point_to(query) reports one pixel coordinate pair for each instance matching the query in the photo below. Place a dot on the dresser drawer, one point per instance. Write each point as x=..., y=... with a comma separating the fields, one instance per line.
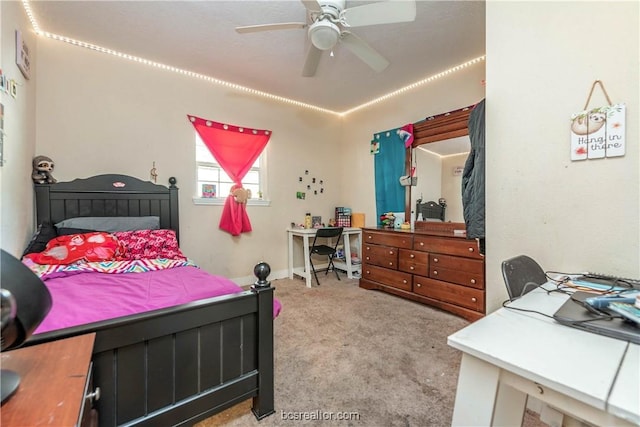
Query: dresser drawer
x=456, y=263
x=397, y=239
x=455, y=294
x=413, y=262
x=457, y=276
x=383, y=256
x=396, y=279
x=452, y=246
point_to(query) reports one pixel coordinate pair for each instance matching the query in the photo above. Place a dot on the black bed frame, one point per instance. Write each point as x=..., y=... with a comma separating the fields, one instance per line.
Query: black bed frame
x=173, y=366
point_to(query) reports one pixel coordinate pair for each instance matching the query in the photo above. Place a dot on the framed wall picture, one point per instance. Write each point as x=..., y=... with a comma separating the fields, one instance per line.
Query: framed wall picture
x=316, y=221
x=208, y=191
x=23, y=61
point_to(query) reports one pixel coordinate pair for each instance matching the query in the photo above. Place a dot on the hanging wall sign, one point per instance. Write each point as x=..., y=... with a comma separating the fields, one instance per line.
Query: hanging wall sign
x=599, y=132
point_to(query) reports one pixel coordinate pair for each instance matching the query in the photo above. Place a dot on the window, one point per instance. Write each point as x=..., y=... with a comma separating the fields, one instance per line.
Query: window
x=213, y=182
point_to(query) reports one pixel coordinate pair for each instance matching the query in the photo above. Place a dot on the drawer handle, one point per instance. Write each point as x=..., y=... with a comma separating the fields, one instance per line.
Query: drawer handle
x=412, y=256
x=404, y=281
x=412, y=268
x=435, y=260
x=368, y=272
x=368, y=248
x=473, y=281
x=418, y=285
x=470, y=249
x=390, y=252
x=368, y=258
x=474, y=299
x=370, y=237
x=421, y=243
x=390, y=262
x=95, y=395
x=435, y=272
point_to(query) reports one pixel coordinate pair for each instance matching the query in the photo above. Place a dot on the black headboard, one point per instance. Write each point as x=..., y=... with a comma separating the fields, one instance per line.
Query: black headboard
x=430, y=210
x=108, y=195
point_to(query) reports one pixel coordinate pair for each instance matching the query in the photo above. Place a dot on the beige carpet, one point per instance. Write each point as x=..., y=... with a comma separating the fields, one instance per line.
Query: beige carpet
x=356, y=358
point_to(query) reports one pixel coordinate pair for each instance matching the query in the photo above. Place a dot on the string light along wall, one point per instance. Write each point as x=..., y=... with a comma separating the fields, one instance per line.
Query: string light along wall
x=240, y=88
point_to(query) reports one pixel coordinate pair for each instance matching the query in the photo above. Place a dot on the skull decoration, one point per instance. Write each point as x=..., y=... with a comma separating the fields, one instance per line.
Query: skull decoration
x=42, y=168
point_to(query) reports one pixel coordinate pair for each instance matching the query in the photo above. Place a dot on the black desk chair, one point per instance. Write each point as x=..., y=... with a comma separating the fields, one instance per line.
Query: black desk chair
x=522, y=275
x=324, y=250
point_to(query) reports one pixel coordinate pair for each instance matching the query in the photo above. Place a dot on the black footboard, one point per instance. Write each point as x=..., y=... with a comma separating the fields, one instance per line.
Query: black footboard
x=180, y=365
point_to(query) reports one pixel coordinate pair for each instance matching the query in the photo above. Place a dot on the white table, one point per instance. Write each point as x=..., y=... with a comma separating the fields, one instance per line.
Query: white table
x=508, y=355
x=306, y=235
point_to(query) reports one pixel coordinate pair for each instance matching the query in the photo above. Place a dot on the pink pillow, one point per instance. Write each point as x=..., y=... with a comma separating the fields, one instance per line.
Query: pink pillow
x=88, y=247
x=149, y=244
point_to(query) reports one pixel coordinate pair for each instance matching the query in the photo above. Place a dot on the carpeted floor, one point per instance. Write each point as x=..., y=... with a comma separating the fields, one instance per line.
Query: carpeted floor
x=357, y=357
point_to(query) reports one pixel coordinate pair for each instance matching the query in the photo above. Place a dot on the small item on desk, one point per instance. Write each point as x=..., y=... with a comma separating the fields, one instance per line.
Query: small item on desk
x=307, y=220
x=598, y=286
x=603, y=302
x=626, y=310
x=607, y=278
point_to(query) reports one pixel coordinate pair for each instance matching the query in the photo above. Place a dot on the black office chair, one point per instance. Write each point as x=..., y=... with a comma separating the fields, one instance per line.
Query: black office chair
x=324, y=250
x=522, y=275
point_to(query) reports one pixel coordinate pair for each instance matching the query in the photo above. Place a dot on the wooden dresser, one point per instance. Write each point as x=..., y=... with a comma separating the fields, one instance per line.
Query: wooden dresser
x=432, y=267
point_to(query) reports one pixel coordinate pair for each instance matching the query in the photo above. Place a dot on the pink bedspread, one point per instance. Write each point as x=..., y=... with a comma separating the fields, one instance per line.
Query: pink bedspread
x=90, y=297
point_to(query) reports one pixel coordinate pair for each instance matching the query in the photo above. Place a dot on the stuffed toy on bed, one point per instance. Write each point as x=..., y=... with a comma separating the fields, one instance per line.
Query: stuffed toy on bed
x=42, y=168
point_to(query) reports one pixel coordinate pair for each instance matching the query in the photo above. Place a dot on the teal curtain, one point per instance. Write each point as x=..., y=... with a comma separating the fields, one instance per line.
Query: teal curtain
x=389, y=167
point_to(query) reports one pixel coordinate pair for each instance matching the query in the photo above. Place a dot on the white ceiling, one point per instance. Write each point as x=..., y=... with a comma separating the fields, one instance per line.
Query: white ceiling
x=199, y=36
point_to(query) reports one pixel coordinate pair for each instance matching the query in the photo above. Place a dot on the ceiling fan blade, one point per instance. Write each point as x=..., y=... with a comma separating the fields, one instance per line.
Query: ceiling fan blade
x=311, y=62
x=269, y=27
x=311, y=5
x=363, y=51
x=386, y=12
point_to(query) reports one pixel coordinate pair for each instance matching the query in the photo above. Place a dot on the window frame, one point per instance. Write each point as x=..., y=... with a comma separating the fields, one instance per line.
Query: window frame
x=220, y=200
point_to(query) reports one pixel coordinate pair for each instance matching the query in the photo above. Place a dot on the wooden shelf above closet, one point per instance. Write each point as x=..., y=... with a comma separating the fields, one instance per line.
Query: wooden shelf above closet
x=443, y=126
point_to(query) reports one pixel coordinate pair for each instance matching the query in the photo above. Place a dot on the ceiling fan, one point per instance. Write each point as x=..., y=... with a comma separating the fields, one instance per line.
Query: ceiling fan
x=330, y=23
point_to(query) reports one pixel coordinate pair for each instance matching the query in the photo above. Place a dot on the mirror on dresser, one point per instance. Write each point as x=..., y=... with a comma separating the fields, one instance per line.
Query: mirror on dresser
x=440, y=149
x=439, y=168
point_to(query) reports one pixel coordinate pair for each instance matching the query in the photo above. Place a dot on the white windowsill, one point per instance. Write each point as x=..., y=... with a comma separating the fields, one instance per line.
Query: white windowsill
x=219, y=201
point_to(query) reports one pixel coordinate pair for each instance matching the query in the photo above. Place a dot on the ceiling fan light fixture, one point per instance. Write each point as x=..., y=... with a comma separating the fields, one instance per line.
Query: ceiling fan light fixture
x=324, y=34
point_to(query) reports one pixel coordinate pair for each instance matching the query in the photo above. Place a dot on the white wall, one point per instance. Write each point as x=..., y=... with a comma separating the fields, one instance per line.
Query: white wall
x=452, y=186
x=429, y=172
x=16, y=186
x=457, y=90
x=570, y=216
x=101, y=114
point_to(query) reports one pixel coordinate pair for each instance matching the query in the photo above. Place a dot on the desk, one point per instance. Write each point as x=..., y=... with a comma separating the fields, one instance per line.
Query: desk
x=508, y=355
x=306, y=234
